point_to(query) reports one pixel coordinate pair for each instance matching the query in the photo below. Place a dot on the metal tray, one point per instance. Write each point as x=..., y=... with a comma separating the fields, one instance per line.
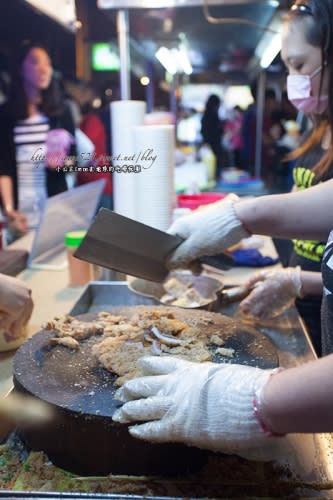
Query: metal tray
x=310, y=458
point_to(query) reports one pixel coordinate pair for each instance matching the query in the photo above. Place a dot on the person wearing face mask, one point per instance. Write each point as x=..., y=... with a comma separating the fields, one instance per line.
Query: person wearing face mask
x=309, y=67
x=34, y=118
x=228, y=407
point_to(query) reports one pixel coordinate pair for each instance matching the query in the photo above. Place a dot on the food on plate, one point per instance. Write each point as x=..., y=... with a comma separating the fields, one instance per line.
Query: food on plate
x=68, y=326
x=182, y=293
x=225, y=351
x=66, y=341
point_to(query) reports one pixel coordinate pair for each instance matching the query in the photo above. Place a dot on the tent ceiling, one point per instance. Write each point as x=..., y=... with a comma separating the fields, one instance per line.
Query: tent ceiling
x=217, y=51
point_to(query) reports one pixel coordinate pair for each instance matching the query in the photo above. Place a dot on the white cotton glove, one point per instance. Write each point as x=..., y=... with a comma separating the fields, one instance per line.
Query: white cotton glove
x=207, y=231
x=207, y=405
x=15, y=305
x=274, y=291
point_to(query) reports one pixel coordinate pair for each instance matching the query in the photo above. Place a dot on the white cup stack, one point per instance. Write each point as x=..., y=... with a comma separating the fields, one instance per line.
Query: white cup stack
x=124, y=116
x=155, y=149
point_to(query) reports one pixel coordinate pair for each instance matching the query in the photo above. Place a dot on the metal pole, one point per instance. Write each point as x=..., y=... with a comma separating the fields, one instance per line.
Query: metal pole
x=124, y=54
x=172, y=95
x=260, y=121
x=150, y=87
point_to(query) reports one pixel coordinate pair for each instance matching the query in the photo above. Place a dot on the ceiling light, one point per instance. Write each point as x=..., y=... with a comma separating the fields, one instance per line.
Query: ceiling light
x=175, y=60
x=184, y=63
x=63, y=11
x=96, y=103
x=158, y=4
x=145, y=80
x=271, y=51
x=167, y=60
x=167, y=25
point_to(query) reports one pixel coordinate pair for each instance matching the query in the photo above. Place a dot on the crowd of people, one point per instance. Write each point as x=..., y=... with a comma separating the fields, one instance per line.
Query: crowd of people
x=232, y=139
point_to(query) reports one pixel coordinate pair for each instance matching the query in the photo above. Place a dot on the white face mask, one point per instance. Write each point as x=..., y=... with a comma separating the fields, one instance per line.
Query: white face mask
x=299, y=88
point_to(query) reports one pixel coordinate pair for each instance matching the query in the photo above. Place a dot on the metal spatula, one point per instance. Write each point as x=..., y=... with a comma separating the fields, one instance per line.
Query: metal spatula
x=117, y=242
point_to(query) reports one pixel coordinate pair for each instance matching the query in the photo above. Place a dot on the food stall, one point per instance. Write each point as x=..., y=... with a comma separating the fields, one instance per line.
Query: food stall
x=82, y=453
x=305, y=470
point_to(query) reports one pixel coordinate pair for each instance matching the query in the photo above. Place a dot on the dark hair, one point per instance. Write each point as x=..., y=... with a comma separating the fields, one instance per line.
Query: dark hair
x=52, y=103
x=213, y=102
x=254, y=89
x=319, y=33
x=270, y=94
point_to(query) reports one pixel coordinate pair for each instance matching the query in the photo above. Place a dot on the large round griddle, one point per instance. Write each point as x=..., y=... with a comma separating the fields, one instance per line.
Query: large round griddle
x=82, y=437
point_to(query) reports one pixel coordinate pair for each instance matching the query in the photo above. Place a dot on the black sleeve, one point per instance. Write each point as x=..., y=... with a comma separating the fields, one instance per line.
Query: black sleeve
x=68, y=124
x=67, y=120
x=7, y=148
x=56, y=181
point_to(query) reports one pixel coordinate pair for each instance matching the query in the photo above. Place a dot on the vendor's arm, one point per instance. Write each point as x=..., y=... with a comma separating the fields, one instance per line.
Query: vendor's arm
x=219, y=226
x=312, y=283
x=303, y=214
x=300, y=399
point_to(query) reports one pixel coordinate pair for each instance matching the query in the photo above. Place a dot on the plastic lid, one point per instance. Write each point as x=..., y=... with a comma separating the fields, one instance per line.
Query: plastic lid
x=74, y=238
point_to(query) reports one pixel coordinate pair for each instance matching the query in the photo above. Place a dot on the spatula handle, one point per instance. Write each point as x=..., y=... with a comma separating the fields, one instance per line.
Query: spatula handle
x=220, y=261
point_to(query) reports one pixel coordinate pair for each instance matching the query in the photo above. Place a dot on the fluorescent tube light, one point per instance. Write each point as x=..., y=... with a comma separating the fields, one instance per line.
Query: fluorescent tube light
x=174, y=60
x=184, y=64
x=63, y=11
x=271, y=51
x=167, y=60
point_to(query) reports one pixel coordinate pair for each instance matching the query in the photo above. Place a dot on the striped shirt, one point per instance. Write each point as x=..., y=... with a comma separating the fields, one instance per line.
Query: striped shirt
x=30, y=142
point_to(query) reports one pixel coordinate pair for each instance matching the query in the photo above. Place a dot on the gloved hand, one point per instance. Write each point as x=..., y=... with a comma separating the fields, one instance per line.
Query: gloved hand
x=206, y=231
x=15, y=305
x=274, y=291
x=207, y=405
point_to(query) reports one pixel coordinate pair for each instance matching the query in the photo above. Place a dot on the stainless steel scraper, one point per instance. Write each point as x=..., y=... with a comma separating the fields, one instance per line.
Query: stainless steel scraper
x=117, y=242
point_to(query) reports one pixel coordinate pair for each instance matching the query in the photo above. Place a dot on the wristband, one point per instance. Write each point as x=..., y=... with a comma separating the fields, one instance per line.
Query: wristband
x=261, y=421
x=256, y=408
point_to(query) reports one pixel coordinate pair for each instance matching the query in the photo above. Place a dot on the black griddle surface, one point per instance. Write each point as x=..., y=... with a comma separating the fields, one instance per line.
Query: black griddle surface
x=75, y=381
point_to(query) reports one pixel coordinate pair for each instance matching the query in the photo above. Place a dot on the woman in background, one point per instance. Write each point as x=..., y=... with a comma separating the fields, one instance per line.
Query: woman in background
x=212, y=130
x=34, y=108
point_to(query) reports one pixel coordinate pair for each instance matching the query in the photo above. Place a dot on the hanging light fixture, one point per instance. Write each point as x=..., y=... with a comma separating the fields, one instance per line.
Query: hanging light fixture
x=175, y=60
